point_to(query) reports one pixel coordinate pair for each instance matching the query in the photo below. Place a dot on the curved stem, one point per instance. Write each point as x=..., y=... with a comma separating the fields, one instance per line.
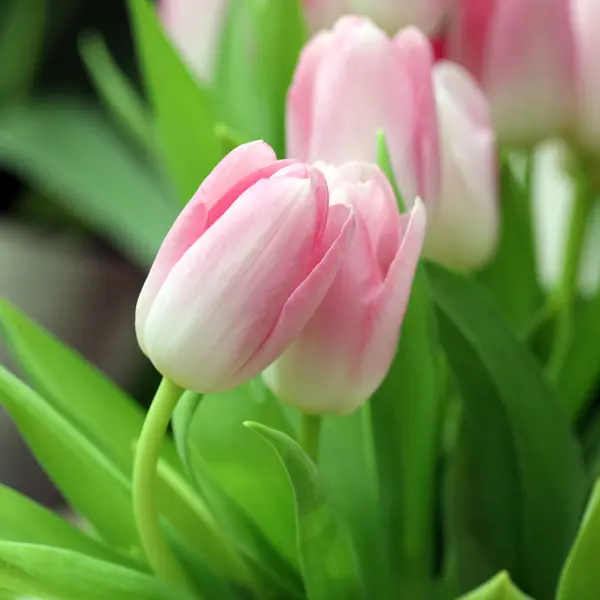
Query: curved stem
x=145, y=505
x=310, y=429
x=566, y=291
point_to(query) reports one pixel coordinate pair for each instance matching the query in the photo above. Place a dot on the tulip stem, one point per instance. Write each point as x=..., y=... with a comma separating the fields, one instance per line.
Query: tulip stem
x=145, y=505
x=566, y=290
x=310, y=429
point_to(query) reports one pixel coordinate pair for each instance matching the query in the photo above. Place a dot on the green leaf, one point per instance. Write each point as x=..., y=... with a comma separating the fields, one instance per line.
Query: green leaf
x=116, y=91
x=70, y=149
x=257, y=61
x=90, y=482
x=327, y=556
x=240, y=464
x=21, y=40
x=22, y=520
x=182, y=421
x=184, y=111
x=57, y=573
x=405, y=416
x=580, y=578
x=499, y=588
x=511, y=277
x=111, y=421
x=519, y=437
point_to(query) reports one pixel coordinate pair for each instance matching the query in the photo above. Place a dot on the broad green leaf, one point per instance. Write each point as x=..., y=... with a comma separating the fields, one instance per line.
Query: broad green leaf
x=327, y=556
x=22, y=520
x=116, y=91
x=21, y=40
x=90, y=482
x=499, y=588
x=257, y=61
x=112, y=421
x=41, y=571
x=184, y=112
x=347, y=464
x=511, y=277
x=405, y=417
x=580, y=578
x=268, y=564
x=71, y=150
x=519, y=437
x=240, y=464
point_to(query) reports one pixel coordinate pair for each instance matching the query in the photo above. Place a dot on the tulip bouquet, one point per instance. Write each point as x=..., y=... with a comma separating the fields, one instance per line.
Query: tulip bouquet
x=367, y=394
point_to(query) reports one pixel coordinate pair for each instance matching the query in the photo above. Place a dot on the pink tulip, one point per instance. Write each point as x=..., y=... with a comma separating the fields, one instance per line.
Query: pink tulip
x=353, y=81
x=195, y=27
x=523, y=55
x=344, y=352
x=586, y=22
x=463, y=232
x=242, y=270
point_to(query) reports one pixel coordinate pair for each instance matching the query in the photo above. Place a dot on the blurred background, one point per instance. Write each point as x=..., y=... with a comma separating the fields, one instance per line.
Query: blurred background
x=71, y=189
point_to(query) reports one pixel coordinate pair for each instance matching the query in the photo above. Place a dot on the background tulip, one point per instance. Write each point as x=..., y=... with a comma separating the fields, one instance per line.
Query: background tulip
x=523, y=54
x=463, y=232
x=353, y=81
x=242, y=270
x=345, y=350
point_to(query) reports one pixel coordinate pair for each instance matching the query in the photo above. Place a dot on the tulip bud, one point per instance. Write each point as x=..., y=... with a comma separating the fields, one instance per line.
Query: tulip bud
x=463, y=232
x=242, y=270
x=523, y=55
x=344, y=352
x=352, y=82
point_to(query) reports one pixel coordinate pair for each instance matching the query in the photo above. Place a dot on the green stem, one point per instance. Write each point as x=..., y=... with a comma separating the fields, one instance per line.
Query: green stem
x=145, y=505
x=566, y=290
x=310, y=429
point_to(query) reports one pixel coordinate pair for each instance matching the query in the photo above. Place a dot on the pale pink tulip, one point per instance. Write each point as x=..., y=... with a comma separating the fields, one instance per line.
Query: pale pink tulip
x=352, y=82
x=523, y=55
x=343, y=354
x=463, y=232
x=195, y=27
x=586, y=22
x=242, y=270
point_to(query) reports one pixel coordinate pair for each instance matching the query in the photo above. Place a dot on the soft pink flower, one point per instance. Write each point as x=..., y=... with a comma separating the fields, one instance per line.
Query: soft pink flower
x=463, y=232
x=352, y=82
x=523, y=55
x=343, y=354
x=242, y=270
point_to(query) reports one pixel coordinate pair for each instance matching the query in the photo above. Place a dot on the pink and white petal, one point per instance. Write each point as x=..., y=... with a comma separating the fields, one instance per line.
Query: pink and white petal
x=300, y=99
x=188, y=227
x=415, y=56
x=464, y=232
x=530, y=72
x=307, y=297
x=358, y=91
x=381, y=337
x=222, y=299
x=469, y=34
x=587, y=24
x=194, y=27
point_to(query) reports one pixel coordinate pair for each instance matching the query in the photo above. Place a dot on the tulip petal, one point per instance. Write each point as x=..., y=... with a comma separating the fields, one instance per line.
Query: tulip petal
x=530, y=70
x=416, y=56
x=300, y=100
x=194, y=26
x=464, y=231
x=381, y=340
x=587, y=22
x=222, y=298
x=242, y=162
